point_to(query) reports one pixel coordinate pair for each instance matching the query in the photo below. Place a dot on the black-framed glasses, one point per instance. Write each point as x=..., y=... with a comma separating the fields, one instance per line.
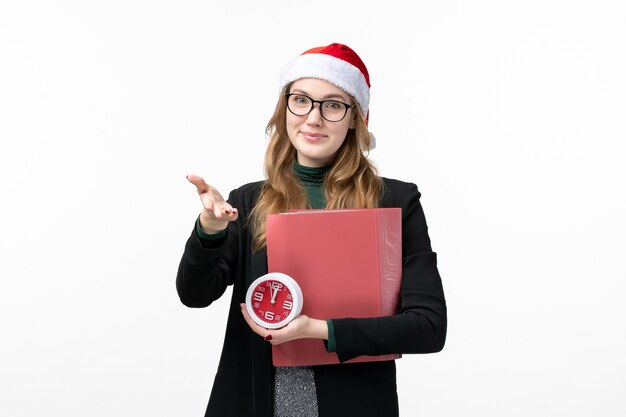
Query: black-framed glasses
x=331, y=110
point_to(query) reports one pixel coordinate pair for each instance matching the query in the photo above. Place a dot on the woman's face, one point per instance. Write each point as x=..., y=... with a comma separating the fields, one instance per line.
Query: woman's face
x=316, y=139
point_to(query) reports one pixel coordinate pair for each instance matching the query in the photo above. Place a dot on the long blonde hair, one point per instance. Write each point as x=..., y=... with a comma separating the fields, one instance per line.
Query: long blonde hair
x=352, y=180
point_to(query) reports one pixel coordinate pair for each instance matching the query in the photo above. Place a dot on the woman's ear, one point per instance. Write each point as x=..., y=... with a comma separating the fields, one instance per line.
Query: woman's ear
x=352, y=122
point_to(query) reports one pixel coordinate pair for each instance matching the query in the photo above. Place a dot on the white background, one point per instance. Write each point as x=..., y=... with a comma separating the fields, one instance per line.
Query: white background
x=509, y=116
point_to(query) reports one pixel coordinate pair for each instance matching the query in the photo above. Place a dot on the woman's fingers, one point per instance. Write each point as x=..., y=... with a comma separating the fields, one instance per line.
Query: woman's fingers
x=220, y=209
x=201, y=186
x=230, y=212
x=293, y=330
x=212, y=200
x=216, y=212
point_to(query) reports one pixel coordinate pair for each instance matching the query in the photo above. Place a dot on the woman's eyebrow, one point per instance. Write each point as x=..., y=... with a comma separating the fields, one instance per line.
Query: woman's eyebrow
x=328, y=97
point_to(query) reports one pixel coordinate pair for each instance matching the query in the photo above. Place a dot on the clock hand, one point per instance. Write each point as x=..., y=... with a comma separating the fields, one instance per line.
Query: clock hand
x=274, y=291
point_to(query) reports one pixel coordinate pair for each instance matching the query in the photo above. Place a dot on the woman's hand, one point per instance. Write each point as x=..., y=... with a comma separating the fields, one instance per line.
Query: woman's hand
x=216, y=213
x=301, y=327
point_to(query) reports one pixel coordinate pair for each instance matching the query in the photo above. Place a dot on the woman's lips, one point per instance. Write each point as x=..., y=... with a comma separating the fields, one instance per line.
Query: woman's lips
x=312, y=137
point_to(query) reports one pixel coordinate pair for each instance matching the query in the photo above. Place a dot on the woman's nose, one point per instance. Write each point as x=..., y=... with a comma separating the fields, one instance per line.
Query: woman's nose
x=315, y=115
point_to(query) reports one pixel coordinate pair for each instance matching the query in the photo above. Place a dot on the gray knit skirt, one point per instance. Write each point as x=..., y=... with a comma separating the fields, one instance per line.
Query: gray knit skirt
x=294, y=392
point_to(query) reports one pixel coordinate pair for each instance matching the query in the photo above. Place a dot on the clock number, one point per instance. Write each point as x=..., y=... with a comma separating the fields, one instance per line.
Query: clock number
x=258, y=296
x=269, y=315
x=287, y=305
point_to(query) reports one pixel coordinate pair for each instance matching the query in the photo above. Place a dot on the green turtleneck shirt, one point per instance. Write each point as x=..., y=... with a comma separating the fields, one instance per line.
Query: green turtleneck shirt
x=312, y=180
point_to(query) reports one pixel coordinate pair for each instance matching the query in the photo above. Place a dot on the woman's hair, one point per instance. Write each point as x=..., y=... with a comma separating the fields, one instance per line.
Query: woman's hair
x=352, y=181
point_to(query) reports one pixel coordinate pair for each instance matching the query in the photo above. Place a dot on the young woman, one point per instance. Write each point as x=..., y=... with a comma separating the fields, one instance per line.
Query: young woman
x=316, y=158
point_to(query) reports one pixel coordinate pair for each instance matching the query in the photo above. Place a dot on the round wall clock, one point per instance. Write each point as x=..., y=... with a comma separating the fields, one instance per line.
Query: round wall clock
x=273, y=300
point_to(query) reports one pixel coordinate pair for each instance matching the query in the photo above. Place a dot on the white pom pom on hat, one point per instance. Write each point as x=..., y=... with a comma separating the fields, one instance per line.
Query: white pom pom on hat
x=339, y=65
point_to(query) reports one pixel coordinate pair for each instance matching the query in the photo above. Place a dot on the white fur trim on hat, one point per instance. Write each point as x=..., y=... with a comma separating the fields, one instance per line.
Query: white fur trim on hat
x=372, y=141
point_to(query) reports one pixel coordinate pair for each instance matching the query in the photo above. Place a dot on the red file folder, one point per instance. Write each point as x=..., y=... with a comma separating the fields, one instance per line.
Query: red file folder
x=348, y=263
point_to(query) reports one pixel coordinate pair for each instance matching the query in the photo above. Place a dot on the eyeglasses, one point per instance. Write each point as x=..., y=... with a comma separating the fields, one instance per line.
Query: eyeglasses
x=331, y=110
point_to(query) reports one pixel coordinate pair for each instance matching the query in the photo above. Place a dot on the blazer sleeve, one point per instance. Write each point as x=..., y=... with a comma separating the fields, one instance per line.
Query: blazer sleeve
x=420, y=326
x=207, y=268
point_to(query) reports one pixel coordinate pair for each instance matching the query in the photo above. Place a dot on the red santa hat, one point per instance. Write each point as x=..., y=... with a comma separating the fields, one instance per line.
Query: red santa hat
x=336, y=63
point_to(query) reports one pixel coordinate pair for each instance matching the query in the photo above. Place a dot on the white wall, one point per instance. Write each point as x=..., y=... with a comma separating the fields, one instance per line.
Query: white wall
x=508, y=115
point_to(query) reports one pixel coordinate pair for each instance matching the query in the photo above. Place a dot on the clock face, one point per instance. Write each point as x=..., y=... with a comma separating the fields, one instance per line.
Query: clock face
x=273, y=300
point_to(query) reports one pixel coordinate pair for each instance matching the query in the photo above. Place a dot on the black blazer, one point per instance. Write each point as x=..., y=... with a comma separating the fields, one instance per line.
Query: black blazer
x=244, y=383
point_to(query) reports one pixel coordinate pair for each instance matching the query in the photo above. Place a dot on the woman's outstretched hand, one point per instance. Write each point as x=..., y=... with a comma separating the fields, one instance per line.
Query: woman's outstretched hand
x=216, y=212
x=299, y=328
